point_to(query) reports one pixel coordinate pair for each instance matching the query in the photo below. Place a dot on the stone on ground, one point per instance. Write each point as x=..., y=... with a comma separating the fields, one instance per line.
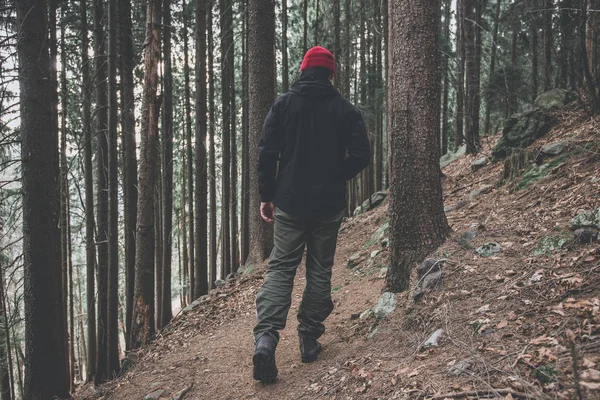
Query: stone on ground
x=432, y=280
x=489, y=249
x=484, y=189
x=586, y=235
x=479, y=163
x=429, y=266
x=433, y=340
x=385, y=305
x=555, y=98
x=376, y=200
x=154, y=395
x=554, y=149
x=586, y=219
x=521, y=130
x=379, y=234
x=449, y=158
x=354, y=260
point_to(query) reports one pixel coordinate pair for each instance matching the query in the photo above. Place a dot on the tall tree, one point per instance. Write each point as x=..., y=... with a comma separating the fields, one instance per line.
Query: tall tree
x=305, y=21
x=472, y=79
x=113, y=205
x=446, y=79
x=245, y=223
x=417, y=221
x=102, y=189
x=201, y=268
x=212, y=174
x=460, y=75
x=6, y=366
x=548, y=42
x=226, y=66
x=534, y=27
x=285, y=74
x=142, y=328
x=234, y=153
x=261, y=43
x=130, y=169
x=493, y=47
x=190, y=156
x=90, y=245
x=336, y=39
x=45, y=351
x=167, y=183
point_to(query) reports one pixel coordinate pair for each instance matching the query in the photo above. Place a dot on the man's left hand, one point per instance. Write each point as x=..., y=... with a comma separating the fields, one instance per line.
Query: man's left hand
x=267, y=210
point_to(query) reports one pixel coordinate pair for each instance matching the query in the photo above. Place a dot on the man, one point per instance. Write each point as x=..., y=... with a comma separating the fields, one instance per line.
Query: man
x=313, y=141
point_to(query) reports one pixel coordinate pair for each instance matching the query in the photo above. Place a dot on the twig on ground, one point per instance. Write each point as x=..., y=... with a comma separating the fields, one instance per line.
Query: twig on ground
x=179, y=395
x=480, y=393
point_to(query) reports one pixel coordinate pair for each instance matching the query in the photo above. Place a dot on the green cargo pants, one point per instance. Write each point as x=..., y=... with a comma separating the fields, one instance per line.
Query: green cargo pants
x=292, y=235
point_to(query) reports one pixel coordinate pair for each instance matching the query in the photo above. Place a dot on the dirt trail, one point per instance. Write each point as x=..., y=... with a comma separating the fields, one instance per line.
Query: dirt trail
x=218, y=361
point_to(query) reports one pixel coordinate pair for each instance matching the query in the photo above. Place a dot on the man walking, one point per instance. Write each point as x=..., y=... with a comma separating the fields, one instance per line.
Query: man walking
x=313, y=141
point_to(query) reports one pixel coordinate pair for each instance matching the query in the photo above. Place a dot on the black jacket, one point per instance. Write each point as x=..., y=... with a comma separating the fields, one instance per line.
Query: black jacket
x=320, y=142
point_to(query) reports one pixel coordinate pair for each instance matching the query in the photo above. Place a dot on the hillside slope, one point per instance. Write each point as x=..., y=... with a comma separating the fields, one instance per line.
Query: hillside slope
x=505, y=317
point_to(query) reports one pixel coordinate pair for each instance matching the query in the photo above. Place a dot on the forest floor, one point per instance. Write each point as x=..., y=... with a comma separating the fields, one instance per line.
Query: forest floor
x=505, y=318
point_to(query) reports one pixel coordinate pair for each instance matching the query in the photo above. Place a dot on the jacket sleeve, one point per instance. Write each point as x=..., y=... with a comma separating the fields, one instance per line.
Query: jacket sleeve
x=268, y=154
x=357, y=146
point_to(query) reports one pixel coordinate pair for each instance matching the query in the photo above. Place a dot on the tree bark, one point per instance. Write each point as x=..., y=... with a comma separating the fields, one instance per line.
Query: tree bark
x=167, y=183
x=212, y=169
x=90, y=245
x=548, y=43
x=493, y=46
x=534, y=50
x=201, y=267
x=417, y=221
x=45, y=351
x=102, y=191
x=6, y=365
x=285, y=74
x=189, y=262
x=226, y=46
x=472, y=90
x=261, y=41
x=305, y=20
x=130, y=169
x=142, y=328
x=245, y=225
x=460, y=75
x=113, y=205
x=446, y=80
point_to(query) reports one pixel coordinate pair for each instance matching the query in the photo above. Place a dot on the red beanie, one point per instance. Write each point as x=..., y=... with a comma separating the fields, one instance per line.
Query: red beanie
x=318, y=57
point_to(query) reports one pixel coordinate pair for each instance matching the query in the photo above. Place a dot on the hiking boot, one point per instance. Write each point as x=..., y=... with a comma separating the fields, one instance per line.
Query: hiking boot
x=309, y=349
x=264, y=359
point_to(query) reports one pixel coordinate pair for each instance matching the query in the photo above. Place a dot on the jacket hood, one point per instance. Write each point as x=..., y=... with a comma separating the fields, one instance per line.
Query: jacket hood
x=314, y=84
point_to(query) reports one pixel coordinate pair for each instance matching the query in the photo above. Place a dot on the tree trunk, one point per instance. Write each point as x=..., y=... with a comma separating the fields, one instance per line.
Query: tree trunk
x=226, y=46
x=534, y=50
x=235, y=262
x=347, y=47
x=113, y=205
x=130, y=176
x=211, y=161
x=6, y=365
x=183, y=228
x=285, y=74
x=90, y=245
x=417, y=221
x=188, y=261
x=378, y=163
x=493, y=46
x=45, y=347
x=201, y=270
x=460, y=75
x=446, y=80
x=316, y=28
x=260, y=56
x=158, y=249
x=472, y=90
x=245, y=226
x=167, y=183
x=102, y=190
x=548, y=43
x=587, y=74
x=305, y=20
x=142, y=328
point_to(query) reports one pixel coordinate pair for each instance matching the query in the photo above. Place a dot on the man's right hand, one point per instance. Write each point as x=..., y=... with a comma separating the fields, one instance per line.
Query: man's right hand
x=267, y=211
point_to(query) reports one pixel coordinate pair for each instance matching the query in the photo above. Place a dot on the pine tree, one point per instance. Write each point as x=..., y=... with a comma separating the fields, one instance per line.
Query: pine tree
x=45, y=352
x=417, y=220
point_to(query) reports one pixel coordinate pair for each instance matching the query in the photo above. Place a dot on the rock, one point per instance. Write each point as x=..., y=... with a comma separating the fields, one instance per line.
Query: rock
x=489, y=249
x=554, y=149
x=230, y=276
x=382, y=273
x=459, y=368
x=375, y=201
x=432, y=280
x=366, y=314
x=586, y=235
x=481, y=190
x=374, y=253
x=193, y=305
x=154, y=395
x=385, y=305
x=220, y=282
x=433, y=340
x=379, y=234
x=459, y=204
x=479, y=163
x=429, y=266
x=586, y=219
x=468, y=236
x=555, y=98
x=451, y=157
x=354, y=260
x=385, y=241
x=521, y=130
x=372, y=333
x=418, y=294
x=550, y=244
